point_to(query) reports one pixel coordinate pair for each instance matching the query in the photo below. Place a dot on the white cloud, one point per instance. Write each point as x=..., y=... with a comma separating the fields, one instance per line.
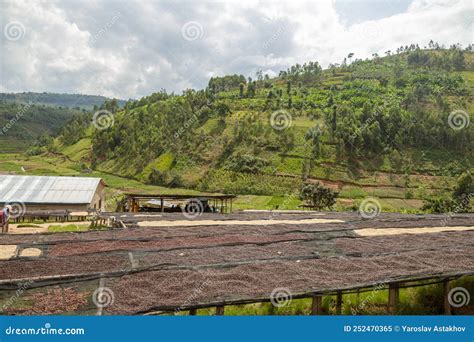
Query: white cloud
x=131, y=49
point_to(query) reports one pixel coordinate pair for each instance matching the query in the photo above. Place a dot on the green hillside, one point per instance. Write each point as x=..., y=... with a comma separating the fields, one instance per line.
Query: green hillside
x=24, y=125
x=396, y=128
x=25, y=117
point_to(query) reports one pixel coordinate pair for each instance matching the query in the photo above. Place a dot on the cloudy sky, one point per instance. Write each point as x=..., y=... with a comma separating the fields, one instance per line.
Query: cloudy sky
x=128, y=49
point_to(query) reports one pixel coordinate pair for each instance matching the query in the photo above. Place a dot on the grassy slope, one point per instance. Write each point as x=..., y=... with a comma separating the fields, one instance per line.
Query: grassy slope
x=386, y=186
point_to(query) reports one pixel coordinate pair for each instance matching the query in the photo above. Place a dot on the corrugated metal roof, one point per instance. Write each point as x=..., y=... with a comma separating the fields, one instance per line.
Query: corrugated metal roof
x=46, y=189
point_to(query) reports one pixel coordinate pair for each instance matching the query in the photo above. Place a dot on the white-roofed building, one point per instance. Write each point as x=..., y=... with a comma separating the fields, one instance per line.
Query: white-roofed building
x=52, y=192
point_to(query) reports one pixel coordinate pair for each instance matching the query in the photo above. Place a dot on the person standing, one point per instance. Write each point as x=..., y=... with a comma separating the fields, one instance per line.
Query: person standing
x=2, y=220
x=4, y=217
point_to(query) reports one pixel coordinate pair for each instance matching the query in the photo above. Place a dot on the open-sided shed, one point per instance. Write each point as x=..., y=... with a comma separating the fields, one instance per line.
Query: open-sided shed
x=221, y=203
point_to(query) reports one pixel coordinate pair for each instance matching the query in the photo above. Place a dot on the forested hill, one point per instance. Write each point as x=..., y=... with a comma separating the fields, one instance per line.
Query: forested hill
x=23, y=125
x=30, y=119
x=401, y=116
x=77, y=101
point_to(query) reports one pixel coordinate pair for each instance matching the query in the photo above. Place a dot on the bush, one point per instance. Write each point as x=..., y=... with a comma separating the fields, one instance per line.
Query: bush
x=175, y=180
x=156, y=177
x=464, y=186
x=318, y=196
x=438, y=205
x=35, y=151
x=460, y=201
x=447, y=205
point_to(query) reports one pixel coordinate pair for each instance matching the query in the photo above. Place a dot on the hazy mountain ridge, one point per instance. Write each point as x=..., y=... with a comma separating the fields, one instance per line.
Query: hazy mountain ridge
x=77, y=101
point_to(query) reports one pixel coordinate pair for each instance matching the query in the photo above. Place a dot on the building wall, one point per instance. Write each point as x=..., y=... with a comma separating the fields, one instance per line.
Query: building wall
x=98, y=201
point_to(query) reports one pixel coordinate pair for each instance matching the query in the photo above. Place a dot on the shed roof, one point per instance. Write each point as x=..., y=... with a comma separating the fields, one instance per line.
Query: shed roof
x=47, y=189
x=177, y=196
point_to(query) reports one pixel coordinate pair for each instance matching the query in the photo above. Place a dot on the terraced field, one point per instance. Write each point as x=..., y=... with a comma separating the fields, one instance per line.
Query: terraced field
x=389, y=188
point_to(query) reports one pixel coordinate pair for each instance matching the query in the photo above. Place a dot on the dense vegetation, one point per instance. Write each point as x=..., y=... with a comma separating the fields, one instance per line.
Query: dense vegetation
x=383, y=122
x=29, y=120
x=460, y=200
x=24, y=125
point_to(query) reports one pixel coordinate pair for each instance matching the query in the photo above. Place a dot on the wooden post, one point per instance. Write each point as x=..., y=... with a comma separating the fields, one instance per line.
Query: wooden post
x=446, y=289
x=338, y=302
x=316, y=305
x=192, y=312
x=162, y=205
x=220, y=310
x=393, y=296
